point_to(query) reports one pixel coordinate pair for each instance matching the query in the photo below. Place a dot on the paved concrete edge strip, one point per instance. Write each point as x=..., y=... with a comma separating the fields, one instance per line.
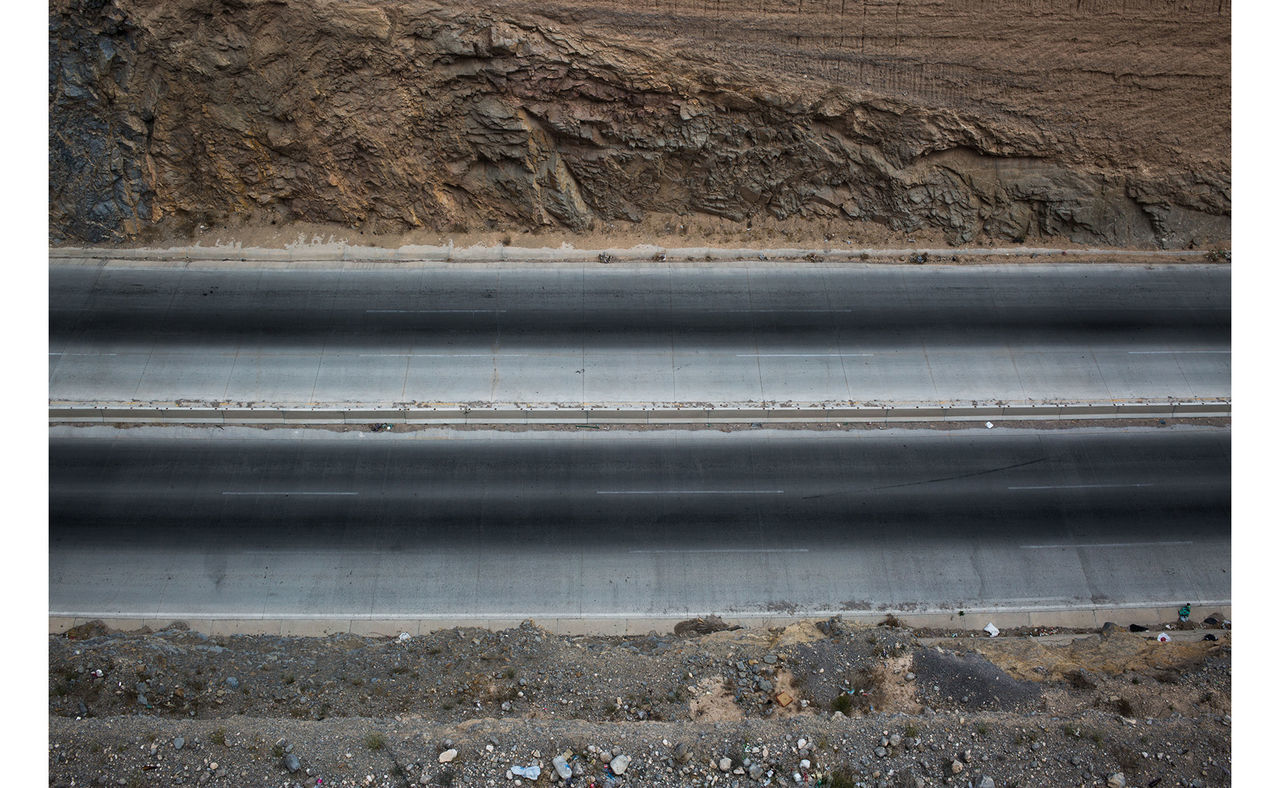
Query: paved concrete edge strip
x=1146, y=614
x=64, y=413
x=344, y=253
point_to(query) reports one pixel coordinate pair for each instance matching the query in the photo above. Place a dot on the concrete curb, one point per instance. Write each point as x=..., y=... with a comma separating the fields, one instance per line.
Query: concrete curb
x=517, y=414
x=344, y=253
x=973, y=620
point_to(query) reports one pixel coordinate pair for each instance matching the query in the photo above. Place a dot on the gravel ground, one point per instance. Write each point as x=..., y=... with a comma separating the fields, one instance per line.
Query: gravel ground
x=814, y=705
x=971, y=682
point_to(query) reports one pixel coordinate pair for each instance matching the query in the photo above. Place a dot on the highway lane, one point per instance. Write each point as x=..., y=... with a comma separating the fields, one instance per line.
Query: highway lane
x=448, y=524
x=604, y=334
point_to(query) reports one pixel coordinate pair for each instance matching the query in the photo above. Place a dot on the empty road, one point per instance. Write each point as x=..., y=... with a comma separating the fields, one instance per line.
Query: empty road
x=600, y=335
x=190, y=523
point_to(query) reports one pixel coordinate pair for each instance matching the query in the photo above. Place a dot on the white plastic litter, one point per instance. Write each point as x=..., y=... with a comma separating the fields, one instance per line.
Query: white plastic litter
x=529, y=772
x=1163, y=637
x=990, y=425
x=562, y=767
x=991, y=629
x=404, y=636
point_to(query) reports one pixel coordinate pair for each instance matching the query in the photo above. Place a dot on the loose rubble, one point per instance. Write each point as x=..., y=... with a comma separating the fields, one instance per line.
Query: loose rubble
x=870, y=706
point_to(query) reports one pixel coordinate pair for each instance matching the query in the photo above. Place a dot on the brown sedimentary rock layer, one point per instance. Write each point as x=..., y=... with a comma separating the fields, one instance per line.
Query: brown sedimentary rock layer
x=984, y=120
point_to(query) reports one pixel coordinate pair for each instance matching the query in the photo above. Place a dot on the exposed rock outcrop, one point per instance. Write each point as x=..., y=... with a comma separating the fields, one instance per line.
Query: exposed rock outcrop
x=399, y=115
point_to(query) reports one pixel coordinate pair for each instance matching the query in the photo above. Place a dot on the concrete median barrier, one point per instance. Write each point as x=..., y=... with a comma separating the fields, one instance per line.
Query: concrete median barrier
x=1030, y=412
x=566, y=416
x=971, y=413
x=373, y=417
x=737, y=415
x=454, y=415
x=618, y=416
x=1204, y=409
x=247, y=416
x=913, y=412
x=1100, y=410
x=75, y=415
x=1138, y=410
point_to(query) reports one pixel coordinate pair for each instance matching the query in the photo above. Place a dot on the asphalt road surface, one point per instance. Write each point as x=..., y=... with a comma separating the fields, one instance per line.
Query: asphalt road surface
x=186, y=523
x=591, y=334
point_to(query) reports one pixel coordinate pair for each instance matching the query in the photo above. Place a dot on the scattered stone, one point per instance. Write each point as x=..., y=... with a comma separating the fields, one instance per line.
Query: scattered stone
x=679, y=754
x=1116, y=780
x=233, y=682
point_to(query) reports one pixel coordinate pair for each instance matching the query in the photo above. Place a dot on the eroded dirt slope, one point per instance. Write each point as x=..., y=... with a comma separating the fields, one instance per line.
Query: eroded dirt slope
x=964, y=120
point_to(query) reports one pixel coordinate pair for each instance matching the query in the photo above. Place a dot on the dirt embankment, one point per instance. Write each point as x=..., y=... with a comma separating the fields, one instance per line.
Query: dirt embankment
x=826, y=704
x=957, y=120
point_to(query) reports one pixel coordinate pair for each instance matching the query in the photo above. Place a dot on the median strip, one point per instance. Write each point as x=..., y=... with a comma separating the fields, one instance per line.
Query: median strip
x=628, y=413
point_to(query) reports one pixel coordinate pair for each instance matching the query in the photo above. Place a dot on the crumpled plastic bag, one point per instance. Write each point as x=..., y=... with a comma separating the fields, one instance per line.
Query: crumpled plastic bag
x=528, y=772
x=991, y=629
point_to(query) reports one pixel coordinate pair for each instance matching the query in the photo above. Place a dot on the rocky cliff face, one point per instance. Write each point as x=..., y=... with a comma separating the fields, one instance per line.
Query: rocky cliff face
x=389, y=116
